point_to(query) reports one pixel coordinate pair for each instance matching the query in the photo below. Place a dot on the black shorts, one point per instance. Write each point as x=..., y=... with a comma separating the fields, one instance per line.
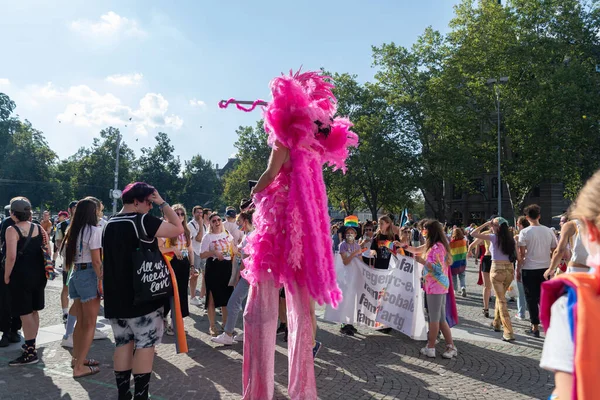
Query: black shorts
x=486, y=264
x=25, y=300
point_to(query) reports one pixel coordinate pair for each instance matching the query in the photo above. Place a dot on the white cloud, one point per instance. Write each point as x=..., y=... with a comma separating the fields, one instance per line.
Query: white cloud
x=197, y=103
x=125, y=80
x=87, y=108
x=110, y=25
x=4, y=82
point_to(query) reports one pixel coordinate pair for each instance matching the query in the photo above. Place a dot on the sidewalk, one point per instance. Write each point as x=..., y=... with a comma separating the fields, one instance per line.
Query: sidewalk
x=369, y=365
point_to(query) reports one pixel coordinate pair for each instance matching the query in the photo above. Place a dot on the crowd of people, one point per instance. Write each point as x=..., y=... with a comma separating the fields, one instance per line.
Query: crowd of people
x=145, y=268
x=208, y=252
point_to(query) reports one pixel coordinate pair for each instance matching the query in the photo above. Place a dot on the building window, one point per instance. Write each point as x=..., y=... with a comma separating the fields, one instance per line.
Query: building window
x=494, y=188
x=457, y=218
x=535, y=192
x=456, y=193
x=478, y=186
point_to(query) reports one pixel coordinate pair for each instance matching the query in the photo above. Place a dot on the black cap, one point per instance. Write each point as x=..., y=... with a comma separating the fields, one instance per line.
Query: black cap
x=20, y=205
x=73, y=204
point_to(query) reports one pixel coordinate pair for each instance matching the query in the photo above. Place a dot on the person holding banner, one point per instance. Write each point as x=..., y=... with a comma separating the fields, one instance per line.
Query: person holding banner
x=385, y=242
x=436, y=261
x=365, y=243
x=137, y=328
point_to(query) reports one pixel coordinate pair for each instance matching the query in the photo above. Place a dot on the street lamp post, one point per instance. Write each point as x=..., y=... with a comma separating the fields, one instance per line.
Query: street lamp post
x=116, y=188
x=494, y=83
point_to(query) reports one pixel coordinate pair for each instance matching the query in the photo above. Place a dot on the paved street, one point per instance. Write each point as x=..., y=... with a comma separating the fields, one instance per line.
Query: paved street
x=369, y=365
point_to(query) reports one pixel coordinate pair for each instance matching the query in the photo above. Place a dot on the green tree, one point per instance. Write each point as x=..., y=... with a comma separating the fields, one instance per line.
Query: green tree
x=382, y=168
x=26, y=162
x=201, y=186
x=91, y=171
x=158, y=167
x=253, y=154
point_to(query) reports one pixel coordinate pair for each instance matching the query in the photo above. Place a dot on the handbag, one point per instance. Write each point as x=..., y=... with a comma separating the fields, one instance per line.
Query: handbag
x=151, y=278
x=48, y=263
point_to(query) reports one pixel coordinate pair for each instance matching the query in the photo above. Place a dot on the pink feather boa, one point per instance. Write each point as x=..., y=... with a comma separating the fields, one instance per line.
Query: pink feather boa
x=292, y=238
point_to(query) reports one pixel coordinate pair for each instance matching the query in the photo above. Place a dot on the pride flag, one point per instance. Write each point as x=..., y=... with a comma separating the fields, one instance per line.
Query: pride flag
x=458, y=250
x=351, y=220
x=176, y=318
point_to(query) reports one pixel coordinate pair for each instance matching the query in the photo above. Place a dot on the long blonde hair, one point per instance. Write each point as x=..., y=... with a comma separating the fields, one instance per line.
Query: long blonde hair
x=587, y=205
x=186, y=230
x=389, y=232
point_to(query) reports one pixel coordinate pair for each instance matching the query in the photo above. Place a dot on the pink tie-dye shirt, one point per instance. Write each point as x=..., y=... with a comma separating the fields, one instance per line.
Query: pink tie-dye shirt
x=436, y=278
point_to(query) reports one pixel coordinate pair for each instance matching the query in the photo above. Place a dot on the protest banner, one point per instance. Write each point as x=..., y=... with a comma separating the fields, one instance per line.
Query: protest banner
x=378, y=298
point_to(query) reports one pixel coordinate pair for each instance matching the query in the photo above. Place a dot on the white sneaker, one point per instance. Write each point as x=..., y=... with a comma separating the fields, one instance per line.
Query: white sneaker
x=98, y=334
x=451, y=351
x=239, y=337
x=426, y=351
x=195, y=301
x=169, y=331
x=67, y=342
x=223, y=338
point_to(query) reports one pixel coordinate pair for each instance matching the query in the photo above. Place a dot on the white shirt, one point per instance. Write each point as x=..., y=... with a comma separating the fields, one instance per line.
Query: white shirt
x=540, y=240
x=234, y=230
x=194, y=229
x=92, y=240
x=217, y=241
x=244, y=243
x=558, y=351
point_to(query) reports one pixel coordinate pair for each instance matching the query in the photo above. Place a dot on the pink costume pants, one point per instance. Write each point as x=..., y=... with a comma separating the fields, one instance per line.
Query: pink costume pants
x=260, y=326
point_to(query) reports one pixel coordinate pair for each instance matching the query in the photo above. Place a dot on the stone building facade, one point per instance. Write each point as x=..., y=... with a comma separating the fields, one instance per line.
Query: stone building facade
x=464, y=208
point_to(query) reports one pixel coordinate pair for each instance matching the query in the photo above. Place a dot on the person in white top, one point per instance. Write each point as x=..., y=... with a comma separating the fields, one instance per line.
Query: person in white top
x=569, y=233
x=536, y=244
x=197, y=232
x=82, y=247
x=219, y=250
x=231, y=226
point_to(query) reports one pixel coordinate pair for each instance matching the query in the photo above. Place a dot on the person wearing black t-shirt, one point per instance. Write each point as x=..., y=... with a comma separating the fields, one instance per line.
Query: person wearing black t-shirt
x=385, y=241
x=137, y=329
x=9, y=326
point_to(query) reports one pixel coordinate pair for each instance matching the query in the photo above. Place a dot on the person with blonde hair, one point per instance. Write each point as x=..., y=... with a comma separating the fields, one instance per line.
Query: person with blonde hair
x=183, y=260
x=570, y=309
x=218, y=249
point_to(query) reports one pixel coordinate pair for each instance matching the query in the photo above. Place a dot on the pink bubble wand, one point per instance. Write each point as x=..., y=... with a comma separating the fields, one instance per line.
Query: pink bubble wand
x=238, y=104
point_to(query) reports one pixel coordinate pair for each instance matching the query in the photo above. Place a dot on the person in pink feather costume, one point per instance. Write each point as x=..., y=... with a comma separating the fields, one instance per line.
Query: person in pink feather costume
x=289, y=197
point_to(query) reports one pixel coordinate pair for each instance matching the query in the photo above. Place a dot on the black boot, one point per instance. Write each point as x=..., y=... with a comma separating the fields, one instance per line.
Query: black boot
x=4, y=342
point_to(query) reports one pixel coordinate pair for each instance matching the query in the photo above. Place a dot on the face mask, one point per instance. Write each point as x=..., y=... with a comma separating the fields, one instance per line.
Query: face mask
x=350, y=238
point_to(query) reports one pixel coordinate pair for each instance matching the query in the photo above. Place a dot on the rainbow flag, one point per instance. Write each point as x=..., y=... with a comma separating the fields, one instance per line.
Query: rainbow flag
x=458, y=250
x=389, y=244
x=351, y=220
x=176, y=318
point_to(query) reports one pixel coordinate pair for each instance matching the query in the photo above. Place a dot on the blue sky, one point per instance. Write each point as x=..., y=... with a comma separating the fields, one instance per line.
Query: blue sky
x=155, y=66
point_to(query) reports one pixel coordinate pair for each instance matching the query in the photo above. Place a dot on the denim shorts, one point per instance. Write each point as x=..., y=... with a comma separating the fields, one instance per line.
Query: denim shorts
x=83, y=284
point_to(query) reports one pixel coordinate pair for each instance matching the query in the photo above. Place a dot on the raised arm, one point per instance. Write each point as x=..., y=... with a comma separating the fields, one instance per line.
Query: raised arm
x=279, y=155
x=477, y=232
x=566, y=233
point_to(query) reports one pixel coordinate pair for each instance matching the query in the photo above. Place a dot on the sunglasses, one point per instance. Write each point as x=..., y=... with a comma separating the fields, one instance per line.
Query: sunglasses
x=180, y=214
x=215, y=220
x=368, y=230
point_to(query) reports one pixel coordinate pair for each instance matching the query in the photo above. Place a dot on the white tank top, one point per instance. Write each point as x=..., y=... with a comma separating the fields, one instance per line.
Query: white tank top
x=579, y=253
